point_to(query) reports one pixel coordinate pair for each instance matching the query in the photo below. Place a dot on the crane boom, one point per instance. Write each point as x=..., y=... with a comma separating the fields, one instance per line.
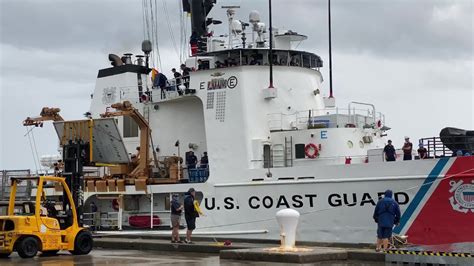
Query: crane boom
x=47, y=114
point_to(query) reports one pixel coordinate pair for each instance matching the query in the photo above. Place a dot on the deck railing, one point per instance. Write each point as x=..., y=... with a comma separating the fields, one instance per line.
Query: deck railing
x=437, y=148
x=325, y=118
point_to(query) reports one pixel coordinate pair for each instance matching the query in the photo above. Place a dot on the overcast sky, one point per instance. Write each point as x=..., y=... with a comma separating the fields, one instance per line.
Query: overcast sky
x=412, y=59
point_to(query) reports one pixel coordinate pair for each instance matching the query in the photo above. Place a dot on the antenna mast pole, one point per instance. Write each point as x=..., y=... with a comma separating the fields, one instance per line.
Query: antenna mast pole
x=330, y=53
x=271, y=43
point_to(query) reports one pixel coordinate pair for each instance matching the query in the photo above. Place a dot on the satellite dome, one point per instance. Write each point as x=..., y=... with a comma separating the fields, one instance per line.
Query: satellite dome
x=254, y=16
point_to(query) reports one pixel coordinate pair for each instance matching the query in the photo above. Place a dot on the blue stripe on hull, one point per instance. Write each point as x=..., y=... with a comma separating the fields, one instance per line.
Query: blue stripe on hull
x=421, y=194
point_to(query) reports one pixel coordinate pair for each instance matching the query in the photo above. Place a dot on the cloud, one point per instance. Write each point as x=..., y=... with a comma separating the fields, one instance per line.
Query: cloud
x=412, y=59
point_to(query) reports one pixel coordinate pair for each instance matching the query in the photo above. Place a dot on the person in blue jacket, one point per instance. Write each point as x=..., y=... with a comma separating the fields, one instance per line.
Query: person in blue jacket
x=386, y=215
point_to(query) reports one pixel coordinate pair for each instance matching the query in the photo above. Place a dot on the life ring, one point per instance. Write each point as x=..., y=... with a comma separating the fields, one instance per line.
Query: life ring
x=379, y=123
x=311, y=150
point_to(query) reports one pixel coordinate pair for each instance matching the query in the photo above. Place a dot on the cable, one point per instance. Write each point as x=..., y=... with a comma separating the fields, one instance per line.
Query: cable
x=31, y=147
x=181, y=33
x=170, y=29
x=36, y=151
x=154, y=30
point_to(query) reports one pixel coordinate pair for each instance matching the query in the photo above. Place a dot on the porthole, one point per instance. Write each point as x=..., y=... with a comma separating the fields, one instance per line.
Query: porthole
x=350, y=144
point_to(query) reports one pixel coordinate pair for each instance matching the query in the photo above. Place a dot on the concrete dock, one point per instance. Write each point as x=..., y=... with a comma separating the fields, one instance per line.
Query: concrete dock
x=244, y=251
x=259, y=250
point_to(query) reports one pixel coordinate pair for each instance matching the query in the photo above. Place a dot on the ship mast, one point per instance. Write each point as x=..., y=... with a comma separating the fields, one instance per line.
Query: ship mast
x=271, y=44
x=330, y=52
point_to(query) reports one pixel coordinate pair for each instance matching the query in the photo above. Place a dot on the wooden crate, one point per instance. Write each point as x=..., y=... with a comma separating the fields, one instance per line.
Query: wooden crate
x=90, y=186
x=121, y=185
x=120, y=169
x=111, y=184
x=101, y=185
x=140, y=184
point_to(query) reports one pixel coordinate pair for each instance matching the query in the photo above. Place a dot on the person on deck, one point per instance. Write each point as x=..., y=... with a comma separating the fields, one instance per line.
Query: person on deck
x=386, y=215
x=407, y=149
x=191, y=160
x=200, y=65
x=176, y=210
x=178, y=80
x=389, y=152
x=160, y=82
x=422, y=152
x=185, y=73
x=190, y=214
x=204, y=160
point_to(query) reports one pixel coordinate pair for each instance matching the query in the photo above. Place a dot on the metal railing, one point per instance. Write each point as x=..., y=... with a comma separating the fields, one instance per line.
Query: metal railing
x=175, y=88
x=23, y=189
x=113, y=220
x=437, y=148
x=327, y=117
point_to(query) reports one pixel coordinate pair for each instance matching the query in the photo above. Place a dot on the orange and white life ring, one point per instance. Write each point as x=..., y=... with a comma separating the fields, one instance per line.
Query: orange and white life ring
x=311, y=150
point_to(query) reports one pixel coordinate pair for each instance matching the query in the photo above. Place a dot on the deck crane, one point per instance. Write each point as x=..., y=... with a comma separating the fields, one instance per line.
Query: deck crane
x=46, y=114
x=141, y=171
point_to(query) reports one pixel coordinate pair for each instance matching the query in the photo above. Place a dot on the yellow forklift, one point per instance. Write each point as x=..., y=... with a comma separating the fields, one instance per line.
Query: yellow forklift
x=45, y=225
x=40, y=226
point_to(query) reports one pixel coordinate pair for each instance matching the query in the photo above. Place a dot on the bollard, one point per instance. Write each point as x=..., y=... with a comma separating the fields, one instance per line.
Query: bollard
x=288, y=221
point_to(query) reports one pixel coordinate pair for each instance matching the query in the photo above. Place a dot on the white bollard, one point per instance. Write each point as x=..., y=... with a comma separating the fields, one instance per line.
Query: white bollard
x=288, y=221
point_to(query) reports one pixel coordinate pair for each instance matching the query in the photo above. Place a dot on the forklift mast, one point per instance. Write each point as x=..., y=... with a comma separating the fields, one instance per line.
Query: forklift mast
x=75, y=157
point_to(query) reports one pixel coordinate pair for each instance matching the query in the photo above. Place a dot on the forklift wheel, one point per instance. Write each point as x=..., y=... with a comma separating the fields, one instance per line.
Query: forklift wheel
x=28, y=247
x=83, y=243
x=4, y=255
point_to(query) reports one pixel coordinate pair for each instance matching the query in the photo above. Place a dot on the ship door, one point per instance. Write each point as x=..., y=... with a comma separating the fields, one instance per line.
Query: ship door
x=267, y=156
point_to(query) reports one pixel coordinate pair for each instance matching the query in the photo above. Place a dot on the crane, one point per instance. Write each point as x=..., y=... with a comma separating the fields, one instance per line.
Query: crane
x=126, y=109
x=46, y=114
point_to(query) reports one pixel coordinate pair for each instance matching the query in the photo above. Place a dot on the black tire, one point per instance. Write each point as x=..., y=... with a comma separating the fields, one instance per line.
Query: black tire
x=4, y=255
x=49, y=253
x=27, y=247
x=83, y=243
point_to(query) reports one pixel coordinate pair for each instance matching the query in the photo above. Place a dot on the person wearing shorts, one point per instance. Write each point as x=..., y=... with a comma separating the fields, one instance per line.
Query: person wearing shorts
x=176, y=210
x=386, y=215
x=190, y=214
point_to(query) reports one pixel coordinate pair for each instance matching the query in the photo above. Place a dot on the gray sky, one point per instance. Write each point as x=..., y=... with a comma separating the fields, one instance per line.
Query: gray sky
x=412, y=59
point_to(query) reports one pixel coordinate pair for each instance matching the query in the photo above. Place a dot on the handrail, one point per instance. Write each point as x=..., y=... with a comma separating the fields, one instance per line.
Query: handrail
x=361, y=103
x=276, y=121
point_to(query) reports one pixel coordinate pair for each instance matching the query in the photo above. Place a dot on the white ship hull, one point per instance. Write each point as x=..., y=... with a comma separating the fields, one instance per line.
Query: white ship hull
x=337, y=205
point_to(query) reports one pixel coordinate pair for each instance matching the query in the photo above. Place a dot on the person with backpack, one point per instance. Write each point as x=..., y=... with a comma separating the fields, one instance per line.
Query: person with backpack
x=386, y=215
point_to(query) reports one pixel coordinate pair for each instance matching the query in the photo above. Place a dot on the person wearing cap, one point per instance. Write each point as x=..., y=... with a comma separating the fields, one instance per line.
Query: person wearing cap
x=176, y=210
x=389, y=152
x=190, y=214
x=407, y=149
x=422, y=152
x=386, y=215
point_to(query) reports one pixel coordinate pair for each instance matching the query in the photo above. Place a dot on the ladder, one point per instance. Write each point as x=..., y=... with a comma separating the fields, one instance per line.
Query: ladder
x=289, y=151
x=278, y=155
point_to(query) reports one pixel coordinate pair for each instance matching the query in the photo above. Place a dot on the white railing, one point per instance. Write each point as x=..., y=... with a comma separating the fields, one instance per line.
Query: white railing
x=329, y=117
x=173, y=89
x=114, y=220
